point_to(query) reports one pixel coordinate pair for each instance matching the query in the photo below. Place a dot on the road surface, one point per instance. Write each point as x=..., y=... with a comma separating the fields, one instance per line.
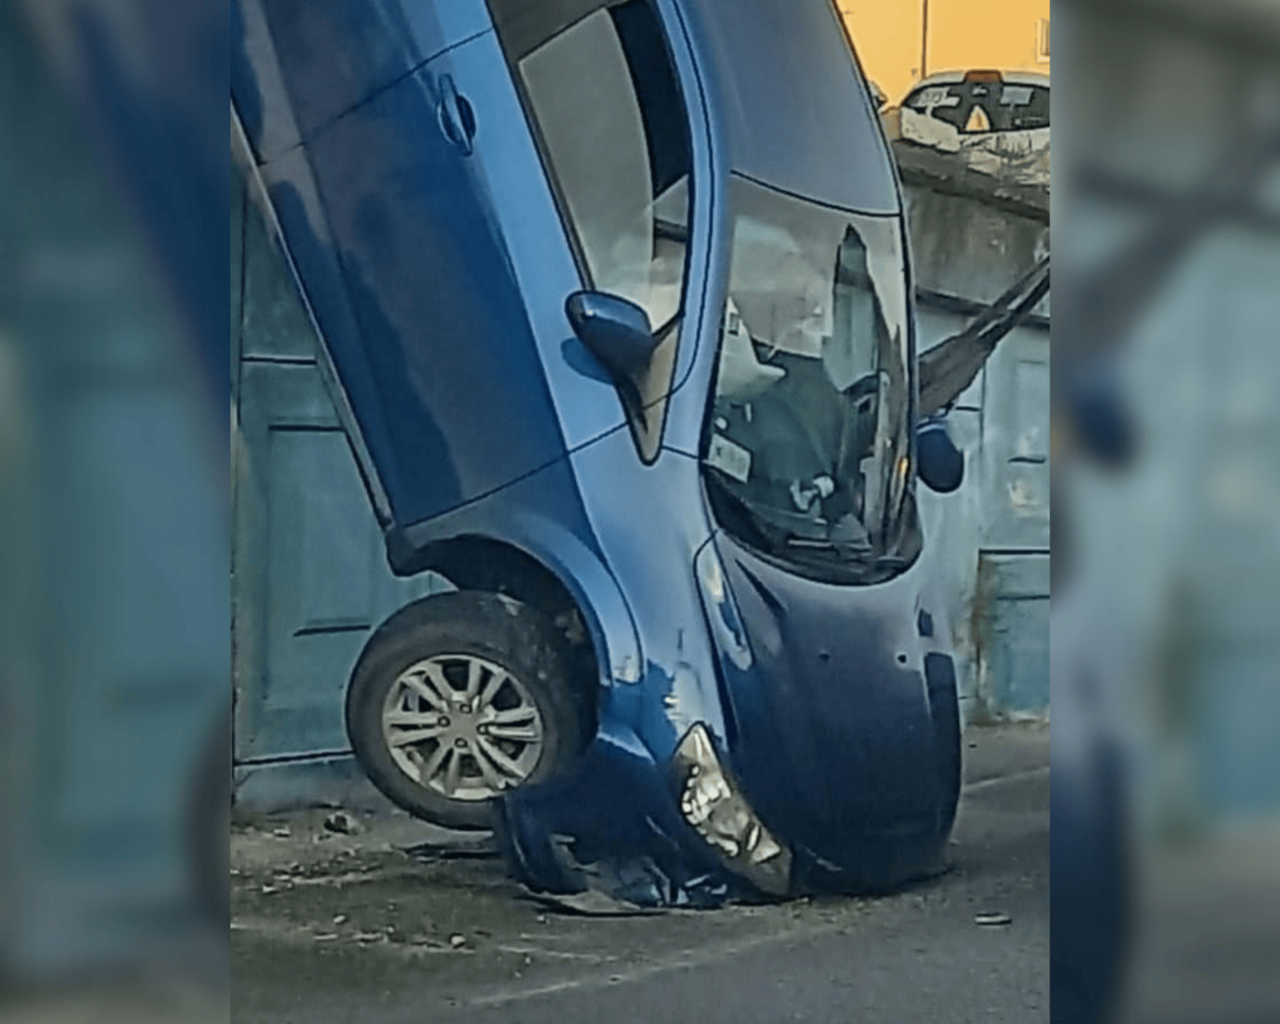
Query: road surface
x=334, y=928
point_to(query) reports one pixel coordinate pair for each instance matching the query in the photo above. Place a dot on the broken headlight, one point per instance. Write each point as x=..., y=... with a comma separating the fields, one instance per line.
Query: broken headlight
x=712, y=804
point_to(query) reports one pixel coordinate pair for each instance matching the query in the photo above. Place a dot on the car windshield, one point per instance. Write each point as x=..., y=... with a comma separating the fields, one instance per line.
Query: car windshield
x=808, y=447
x=974, y=107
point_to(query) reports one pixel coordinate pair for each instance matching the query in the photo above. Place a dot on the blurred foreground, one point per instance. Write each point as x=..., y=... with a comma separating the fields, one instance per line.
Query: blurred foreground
x=113, y=520
x=1167, y=202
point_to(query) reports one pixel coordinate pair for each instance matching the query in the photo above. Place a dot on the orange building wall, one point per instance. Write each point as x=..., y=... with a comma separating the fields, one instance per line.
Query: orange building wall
x=963, y=35
x=887, y=37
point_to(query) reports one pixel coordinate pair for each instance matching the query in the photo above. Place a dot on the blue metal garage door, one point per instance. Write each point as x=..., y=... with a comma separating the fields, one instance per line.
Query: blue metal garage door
x=309, y=575
x=1012, y=602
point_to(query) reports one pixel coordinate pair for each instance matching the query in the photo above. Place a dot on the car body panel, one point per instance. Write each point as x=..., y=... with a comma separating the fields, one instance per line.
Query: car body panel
x=416, y=300
x=319, y=59
x=520, y=203
x=545, y=516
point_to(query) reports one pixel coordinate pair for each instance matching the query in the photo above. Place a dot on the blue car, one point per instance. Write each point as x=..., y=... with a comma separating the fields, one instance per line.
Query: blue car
x=617, y=308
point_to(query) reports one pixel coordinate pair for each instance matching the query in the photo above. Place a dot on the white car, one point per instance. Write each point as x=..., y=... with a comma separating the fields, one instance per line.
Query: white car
x=997, y=122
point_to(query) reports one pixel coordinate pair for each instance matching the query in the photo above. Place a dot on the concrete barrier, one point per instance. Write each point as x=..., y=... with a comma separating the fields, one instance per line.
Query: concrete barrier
x=973, y=234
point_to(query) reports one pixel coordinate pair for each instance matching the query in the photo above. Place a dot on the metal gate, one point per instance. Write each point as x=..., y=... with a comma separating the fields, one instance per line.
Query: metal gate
x=1011, y=606
x=310, y=580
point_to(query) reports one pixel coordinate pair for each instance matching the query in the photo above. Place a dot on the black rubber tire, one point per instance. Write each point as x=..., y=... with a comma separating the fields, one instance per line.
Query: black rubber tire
x=506, y=632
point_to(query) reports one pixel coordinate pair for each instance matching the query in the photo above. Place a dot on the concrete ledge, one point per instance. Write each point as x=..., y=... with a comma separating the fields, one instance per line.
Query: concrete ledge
x=946, y=174
x=283, y=787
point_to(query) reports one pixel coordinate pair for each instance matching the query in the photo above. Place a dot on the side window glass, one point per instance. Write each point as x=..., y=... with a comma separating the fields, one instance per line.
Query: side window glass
x=602, y=96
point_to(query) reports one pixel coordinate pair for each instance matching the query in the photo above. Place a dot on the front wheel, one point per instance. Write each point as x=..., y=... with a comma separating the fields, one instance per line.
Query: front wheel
x=462, y=697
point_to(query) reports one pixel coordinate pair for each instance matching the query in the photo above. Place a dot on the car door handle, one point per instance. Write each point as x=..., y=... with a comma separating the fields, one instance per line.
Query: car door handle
x=457, y=118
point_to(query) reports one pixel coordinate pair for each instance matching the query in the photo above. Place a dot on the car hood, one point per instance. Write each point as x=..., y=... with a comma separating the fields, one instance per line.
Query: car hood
x=833, y=736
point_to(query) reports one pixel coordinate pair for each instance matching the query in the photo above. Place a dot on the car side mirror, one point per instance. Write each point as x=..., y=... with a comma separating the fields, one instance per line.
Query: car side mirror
x=940, y=462
x=1099, y=422
x=614, y=330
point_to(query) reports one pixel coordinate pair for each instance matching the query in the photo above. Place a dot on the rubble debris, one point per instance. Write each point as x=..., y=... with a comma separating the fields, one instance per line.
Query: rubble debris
x=594, y=903
x=341, y=823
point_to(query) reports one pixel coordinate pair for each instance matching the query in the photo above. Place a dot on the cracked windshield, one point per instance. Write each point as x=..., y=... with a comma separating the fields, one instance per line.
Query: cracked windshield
x=809, y=447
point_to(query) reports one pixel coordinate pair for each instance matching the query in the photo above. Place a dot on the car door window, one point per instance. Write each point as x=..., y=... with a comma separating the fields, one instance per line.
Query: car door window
x=603, y=100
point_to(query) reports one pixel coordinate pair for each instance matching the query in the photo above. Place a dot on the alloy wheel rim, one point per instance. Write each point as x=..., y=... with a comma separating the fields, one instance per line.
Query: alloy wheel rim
x=463, y=727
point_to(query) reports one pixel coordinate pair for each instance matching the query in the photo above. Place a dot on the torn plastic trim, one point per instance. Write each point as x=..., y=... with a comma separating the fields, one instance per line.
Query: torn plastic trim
x=564, y=854
x=711, y=802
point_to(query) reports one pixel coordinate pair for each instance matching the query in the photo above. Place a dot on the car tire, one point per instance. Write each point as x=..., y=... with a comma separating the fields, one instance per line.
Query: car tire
x=462, y=697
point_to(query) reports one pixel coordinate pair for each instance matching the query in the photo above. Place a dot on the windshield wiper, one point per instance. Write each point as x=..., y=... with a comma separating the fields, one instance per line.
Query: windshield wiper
x=948, y=368
x=853, y=555
x=845, y=547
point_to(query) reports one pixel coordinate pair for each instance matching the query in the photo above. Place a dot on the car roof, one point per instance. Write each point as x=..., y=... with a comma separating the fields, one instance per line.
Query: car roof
x=956, y=77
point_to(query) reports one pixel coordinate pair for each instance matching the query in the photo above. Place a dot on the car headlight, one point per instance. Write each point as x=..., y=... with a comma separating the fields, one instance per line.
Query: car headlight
x=712, y=804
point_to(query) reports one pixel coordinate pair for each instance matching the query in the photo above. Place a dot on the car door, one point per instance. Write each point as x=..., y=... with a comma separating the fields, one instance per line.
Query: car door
x=590, y=186
x=394, y=238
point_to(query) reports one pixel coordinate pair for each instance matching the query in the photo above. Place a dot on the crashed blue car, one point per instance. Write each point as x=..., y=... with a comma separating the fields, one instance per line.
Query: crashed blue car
x=617, y=309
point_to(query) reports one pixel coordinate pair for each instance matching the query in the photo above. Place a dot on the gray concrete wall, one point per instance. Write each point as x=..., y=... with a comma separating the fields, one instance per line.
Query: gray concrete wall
x=972, y=237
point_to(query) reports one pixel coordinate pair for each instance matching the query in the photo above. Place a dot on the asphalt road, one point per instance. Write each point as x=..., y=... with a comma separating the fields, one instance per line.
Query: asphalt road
x=352, y=928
